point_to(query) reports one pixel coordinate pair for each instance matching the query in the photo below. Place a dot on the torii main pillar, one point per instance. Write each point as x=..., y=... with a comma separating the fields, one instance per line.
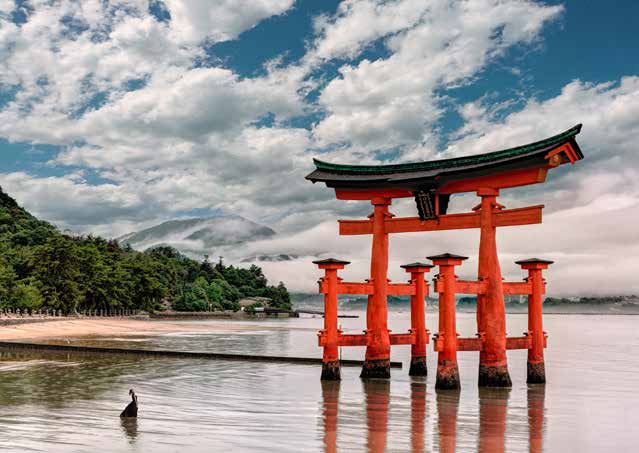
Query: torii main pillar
x=491, y=311
x=377, y=359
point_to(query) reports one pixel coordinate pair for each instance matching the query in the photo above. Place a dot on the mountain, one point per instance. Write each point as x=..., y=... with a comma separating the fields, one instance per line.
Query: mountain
x=198, y=235
x=41, y=268
x=18, y=227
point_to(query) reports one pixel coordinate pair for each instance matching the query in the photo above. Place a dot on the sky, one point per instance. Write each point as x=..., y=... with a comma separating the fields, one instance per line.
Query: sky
x=118, y=115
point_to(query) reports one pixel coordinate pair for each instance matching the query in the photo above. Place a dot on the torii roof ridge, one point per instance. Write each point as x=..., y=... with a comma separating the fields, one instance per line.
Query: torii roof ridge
x=485, y=158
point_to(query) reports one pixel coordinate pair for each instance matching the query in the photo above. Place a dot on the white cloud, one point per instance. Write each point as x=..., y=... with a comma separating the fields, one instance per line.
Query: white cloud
x=359, y=22
x=219, y=20
x=591, y=208
x=392, y=101
x=609, y=113
x=6, y=6
x=188, y=105
x=49, y=198
x=607, y=110
x=62, y=70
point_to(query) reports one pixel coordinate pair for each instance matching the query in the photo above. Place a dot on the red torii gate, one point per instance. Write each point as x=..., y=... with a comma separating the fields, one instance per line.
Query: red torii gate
x=432, y=183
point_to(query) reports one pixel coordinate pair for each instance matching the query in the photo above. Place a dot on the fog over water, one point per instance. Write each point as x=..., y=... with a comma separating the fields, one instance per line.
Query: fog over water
x=71, y=403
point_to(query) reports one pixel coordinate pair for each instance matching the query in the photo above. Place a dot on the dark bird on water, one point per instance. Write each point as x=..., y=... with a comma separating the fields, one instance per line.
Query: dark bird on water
x=132, y=409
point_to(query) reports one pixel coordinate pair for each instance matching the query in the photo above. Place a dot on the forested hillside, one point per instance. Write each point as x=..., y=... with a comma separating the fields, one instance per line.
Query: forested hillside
x=43, y=268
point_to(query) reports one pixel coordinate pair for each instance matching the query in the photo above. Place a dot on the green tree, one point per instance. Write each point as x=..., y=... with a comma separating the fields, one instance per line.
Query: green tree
x=26, y=296
x=228, y=292
x=146, y=290
x=7, y=282
x=279, y=296
x=215, y=293
x=56, y=268
x=194, y=297
x=208, y=271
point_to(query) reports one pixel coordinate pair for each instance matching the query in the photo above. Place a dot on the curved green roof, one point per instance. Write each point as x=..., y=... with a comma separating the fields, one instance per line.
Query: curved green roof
x=486, y=158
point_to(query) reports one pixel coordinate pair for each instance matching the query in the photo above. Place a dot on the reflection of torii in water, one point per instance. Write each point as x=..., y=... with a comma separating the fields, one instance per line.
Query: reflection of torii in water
x=493, y=405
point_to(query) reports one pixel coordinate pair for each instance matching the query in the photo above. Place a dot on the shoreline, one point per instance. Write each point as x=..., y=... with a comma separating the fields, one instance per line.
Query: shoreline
x=121, y=327
x=47, y=328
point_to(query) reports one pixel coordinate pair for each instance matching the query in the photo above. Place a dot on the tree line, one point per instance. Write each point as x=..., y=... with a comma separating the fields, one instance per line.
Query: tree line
x=43, y=268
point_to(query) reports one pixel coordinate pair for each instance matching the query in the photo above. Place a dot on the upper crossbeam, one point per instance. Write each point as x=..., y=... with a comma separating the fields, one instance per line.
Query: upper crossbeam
x=507, y=217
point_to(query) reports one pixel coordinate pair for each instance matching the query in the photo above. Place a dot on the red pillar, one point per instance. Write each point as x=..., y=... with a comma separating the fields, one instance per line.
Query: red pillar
x=536, y=367
x=377, y=360
x=447, y=369
x=491, y=312
x=329, y=336
x=418, y=317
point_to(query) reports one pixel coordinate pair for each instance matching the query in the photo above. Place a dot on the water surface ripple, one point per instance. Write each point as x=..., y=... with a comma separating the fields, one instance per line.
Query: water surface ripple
x=71, y=403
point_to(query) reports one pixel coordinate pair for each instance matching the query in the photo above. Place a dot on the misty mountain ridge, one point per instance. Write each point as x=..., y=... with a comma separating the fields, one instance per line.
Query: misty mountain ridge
x=198, y=235
x=606, y=305
x=278, y=257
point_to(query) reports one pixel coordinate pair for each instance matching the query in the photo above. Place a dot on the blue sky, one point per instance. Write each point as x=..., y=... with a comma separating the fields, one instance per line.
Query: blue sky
x=118, y=115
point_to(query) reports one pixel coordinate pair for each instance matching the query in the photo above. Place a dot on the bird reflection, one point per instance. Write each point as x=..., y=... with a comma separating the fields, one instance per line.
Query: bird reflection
x=447, y=407
x=130, y=427
x=377, y=398
x=493, y=405
x=330, y=398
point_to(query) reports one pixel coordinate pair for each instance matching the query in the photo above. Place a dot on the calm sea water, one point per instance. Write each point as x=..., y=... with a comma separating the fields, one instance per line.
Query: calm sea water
x=67, y=403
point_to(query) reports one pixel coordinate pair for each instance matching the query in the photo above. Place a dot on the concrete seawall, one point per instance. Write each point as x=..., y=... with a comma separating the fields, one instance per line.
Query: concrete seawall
x=19, y=346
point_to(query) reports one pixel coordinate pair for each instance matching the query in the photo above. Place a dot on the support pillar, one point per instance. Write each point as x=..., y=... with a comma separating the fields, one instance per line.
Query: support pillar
x=536, y=370
x=329, y=336
x=446, y=339
x=377, y=359
x=418, y=318
x=491, y=311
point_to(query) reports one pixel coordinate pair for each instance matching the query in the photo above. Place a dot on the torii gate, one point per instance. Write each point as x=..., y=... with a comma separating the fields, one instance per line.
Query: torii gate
x=431, y=184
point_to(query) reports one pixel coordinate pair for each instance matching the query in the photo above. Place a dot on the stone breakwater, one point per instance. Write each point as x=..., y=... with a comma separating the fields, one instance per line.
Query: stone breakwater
x=65, y=349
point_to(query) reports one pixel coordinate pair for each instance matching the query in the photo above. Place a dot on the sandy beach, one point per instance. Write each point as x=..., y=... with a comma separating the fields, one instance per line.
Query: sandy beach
x=115, y=327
